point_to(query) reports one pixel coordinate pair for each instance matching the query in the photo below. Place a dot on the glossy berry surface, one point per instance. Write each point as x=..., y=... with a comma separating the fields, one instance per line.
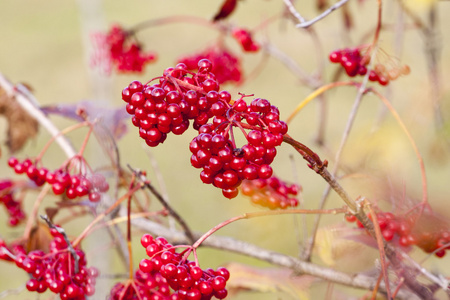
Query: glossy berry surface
x=62, y=182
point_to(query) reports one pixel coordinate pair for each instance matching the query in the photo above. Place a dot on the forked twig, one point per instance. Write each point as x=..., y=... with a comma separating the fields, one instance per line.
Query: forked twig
x=305, y=24
x=166, y=205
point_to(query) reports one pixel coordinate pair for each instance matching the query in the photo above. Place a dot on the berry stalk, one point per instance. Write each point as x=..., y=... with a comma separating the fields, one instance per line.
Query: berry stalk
x=267, y=213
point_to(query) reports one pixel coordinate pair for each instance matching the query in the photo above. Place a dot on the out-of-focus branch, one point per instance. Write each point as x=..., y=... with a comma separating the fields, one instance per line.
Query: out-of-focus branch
x=305, y=24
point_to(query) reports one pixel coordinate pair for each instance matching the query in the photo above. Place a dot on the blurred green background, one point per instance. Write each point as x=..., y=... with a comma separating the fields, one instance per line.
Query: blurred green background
x=47, y=45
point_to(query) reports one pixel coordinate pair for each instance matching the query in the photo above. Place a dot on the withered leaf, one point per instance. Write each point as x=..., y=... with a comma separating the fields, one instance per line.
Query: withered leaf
x=21, y=126
x=110, y=123
x=227, y=8
x=268, y=280
x=113, y=119
x=40, y=238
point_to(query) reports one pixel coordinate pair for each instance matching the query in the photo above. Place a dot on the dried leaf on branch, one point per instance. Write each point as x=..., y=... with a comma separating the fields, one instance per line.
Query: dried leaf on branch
x=21, y=126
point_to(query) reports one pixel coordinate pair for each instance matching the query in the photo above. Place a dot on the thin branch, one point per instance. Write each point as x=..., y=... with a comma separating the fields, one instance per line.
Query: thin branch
x=293, y=11
x=337, y=159
x=292, y=65
x=305, y=24
x=161, y=182
x=166, y=205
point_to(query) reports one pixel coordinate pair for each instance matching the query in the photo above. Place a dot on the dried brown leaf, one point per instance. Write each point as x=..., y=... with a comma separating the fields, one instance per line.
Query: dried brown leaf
x=21, y=126
x=40, y=238
x=268, y=280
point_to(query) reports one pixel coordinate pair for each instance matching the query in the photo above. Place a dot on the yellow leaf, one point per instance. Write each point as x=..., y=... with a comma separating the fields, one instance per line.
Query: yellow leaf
x=331, y=244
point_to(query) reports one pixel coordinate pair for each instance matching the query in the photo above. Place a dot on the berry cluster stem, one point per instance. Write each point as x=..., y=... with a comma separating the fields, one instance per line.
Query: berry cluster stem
x=380, y=245
x=411, y=140
x=267, y=213
x=103, y=214
x=33, y=214
x=170, y=20
x=130, y=253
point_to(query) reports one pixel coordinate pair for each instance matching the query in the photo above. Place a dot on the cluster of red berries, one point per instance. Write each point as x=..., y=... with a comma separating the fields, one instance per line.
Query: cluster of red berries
x=244, y=37
x=272, y=192
x=355, y=64
x=214, y=149
x=73, y=186
x=224, y=165
x=424, y=232
x=185, y=277
x=125, y=54
x=55, y=270
x=13, y=207
x=226, y=66
x=151, y=285
x=351, y=60
x=169, y=105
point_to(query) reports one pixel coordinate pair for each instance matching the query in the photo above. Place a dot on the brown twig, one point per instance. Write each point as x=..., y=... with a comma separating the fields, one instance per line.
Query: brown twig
x=70, y=247
x=166, y=205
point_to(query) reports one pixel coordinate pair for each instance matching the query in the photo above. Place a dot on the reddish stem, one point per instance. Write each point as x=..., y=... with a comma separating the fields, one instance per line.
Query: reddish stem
x=102, y=215
x=267, y=213
x=130, y=256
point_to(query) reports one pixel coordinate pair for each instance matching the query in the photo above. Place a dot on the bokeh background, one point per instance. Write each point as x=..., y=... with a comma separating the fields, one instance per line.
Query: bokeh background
x=47, y=45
